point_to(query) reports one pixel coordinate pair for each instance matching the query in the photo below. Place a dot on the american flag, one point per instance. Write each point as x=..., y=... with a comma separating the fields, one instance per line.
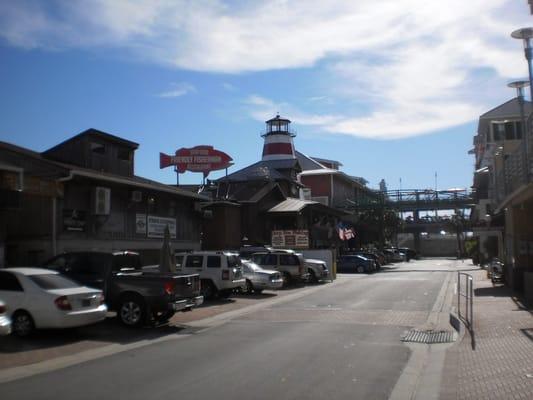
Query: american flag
x=346, y=233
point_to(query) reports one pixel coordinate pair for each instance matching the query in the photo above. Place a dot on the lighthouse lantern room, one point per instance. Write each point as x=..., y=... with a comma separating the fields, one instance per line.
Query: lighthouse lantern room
x=278, y=140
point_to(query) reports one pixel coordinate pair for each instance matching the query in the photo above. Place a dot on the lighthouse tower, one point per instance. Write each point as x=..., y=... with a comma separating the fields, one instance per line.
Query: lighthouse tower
x=278, y=140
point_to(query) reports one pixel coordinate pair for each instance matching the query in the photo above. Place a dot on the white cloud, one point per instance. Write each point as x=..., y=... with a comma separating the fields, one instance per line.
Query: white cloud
x=418, y=65
x=229, y=87
x=178, y=90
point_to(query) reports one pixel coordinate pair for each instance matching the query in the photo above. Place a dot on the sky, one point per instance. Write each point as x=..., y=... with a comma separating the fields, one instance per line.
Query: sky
x=392, y=89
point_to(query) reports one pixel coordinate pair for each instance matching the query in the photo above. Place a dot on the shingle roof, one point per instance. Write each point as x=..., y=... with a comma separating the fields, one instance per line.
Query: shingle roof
x=262, y=170
x=92, y=174
x=307, y=163
x=91, y=132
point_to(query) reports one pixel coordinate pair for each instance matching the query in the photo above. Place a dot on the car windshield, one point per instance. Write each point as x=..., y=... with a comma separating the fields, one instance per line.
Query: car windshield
x=53, y=281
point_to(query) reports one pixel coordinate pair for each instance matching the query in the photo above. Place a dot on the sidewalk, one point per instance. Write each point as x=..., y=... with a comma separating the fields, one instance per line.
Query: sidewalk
x=497, y=361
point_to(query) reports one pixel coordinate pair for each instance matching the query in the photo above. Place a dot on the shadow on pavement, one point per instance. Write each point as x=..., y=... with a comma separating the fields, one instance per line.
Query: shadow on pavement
x=386, y=269
x=108, y=331
x=493, y=291
x=528, y=332
x=255, y=296
x=215, y=302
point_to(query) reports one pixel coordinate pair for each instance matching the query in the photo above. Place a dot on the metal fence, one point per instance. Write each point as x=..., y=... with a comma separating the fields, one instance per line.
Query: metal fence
x=465, y=290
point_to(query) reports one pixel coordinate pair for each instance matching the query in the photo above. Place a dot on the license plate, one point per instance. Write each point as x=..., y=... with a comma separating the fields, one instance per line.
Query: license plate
x=86, y=303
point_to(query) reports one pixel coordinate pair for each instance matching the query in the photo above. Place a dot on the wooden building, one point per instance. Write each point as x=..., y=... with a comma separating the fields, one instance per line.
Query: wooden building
x=83, y=194
x=267, y=196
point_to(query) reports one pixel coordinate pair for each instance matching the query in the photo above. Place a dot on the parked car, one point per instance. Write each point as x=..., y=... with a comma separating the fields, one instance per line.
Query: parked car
x=5, y=322
x=137, y=296
x=291, y=265
x=409, y=253
x=394, y=255
x=246, y=252
x=259, y=279
x=40, y=298
x=317, y=270
x=371, y=256
x=355, y=263
x=220, y=271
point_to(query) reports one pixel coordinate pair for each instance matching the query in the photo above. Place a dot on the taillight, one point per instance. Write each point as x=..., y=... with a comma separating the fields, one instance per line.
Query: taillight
x=62, y=303
x=169, y=287
x=102, y=299
x=225, y=274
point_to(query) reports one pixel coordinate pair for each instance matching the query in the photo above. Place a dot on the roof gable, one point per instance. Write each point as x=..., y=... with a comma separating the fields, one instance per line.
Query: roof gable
x=510, y=108
x=95, y=133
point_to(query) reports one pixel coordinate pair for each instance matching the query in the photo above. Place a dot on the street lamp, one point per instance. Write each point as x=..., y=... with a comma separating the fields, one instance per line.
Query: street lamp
x=519, y=86
x=526, y=34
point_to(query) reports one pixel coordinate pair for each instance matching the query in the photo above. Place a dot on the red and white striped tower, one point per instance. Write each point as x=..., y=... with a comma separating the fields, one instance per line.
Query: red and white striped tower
x=278, y=140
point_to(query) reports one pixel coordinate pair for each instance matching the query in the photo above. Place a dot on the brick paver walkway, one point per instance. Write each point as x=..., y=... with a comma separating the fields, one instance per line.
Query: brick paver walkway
x=497, y=361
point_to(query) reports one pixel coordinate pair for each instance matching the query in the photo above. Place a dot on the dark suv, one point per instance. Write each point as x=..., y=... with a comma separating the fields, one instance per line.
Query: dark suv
x=137, y=296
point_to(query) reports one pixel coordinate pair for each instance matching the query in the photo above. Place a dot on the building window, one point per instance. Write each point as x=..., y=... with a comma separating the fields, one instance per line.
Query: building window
x=509, y=131
x=518, y=129
x=498, y=131
x=97, y=148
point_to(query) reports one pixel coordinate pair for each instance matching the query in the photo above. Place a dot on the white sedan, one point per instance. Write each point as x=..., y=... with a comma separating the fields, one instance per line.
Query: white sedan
x=258, y=279
x=41, y=298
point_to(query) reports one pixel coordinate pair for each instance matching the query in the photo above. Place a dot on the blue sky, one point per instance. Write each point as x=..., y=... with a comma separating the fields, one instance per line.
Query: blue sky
x=392, y=89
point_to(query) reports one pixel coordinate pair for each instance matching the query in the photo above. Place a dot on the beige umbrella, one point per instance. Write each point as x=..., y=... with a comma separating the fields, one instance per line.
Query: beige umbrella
x=167, y=262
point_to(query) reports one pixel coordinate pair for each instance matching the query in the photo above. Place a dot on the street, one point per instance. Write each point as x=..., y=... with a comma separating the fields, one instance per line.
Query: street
x=339, y=340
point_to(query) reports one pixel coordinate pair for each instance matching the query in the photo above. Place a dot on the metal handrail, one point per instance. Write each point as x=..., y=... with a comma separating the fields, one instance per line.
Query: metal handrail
x=468, y=294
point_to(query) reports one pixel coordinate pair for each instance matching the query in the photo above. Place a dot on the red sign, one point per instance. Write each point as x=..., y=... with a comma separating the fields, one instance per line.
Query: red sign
x=196, y=159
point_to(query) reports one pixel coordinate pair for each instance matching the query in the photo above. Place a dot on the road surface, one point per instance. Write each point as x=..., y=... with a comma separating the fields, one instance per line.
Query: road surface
x=339, y=341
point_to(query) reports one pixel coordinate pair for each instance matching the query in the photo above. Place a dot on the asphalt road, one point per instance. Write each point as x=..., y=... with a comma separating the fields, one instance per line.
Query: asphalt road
x=341, y=341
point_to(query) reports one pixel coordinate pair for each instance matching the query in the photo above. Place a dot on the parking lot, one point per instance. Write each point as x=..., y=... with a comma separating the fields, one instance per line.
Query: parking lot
x=50, y=344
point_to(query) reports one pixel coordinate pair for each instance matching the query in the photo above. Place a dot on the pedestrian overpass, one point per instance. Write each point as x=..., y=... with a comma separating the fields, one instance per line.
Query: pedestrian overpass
x=416, y=201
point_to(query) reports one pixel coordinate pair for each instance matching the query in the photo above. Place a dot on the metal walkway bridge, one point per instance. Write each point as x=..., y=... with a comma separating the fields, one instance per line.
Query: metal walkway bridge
x=415, y=200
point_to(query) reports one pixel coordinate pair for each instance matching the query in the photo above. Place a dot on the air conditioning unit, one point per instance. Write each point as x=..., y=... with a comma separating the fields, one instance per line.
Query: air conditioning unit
x=102, y=201
x=136, y=196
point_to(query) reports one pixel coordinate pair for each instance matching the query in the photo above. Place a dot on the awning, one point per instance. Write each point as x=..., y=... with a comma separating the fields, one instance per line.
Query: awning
x=294, y=205
x=291, y=205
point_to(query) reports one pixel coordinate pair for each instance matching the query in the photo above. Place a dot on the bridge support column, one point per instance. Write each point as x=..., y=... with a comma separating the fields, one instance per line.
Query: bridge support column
x=416, y=236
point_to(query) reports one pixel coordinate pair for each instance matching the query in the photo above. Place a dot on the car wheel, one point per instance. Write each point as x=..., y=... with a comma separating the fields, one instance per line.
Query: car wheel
x=23, y=324
x=312, y=276
x=132, y=311
x=360, y=269
x=249, y=287
x=208, y=290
